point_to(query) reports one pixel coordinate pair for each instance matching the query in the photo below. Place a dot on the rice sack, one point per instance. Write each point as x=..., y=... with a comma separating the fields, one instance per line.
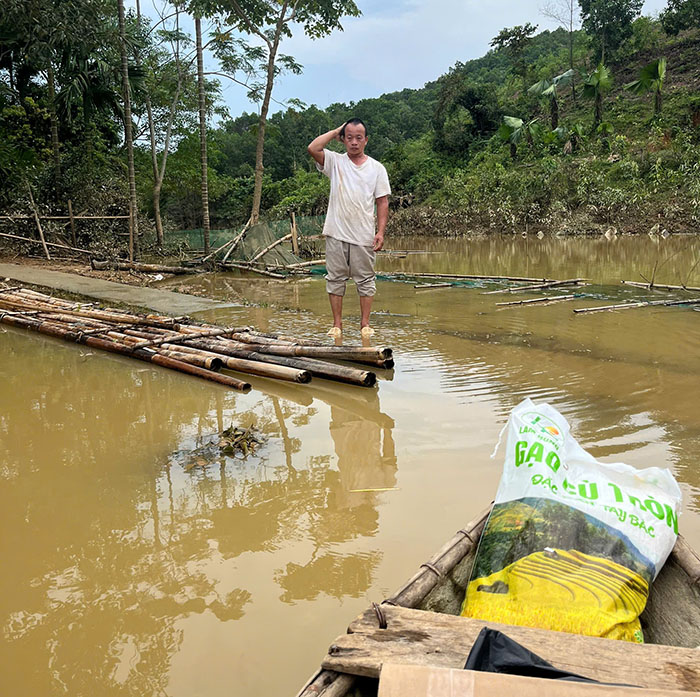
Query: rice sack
x=572, y=544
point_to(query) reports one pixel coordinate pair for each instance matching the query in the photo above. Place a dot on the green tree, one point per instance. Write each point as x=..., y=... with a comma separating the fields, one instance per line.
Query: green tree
x=651, y=79
x=679, y=15
x=271, y=21
x=549, y=88
x=595, y=86
x=609, y=23
x=514, y=41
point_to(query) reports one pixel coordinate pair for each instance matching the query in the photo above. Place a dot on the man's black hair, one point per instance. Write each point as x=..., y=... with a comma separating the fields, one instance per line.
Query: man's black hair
x=354, y=122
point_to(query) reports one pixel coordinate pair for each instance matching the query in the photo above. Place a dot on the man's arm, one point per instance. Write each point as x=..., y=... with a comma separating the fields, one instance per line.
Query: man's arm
x=316, y=146
x=382, y=217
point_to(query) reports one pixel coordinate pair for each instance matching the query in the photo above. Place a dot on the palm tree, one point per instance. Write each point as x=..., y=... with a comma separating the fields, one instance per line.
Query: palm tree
x=595, y=85
x=651, y=78
x=549, y=88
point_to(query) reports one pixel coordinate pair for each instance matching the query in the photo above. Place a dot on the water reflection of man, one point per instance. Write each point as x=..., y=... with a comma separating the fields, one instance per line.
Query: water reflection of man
x=364, y=446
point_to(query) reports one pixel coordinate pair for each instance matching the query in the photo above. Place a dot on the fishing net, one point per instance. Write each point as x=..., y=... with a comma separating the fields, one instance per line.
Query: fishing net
x=260, y=236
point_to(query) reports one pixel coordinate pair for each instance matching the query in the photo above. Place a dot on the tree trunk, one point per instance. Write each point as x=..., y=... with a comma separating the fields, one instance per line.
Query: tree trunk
x=571, y=62
x=54, y=125
x=513, y=151
x=128, y=136
x=658, y=101
x=554, y=108
x=598, y=109
x=202, y=132
x=262, y=120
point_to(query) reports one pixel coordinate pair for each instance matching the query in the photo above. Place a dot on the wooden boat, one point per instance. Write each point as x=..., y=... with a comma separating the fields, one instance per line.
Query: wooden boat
x=420, y=625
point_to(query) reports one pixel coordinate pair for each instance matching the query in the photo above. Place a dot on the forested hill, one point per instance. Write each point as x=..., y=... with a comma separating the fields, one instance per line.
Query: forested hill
x=455, y=167
x=559, y=130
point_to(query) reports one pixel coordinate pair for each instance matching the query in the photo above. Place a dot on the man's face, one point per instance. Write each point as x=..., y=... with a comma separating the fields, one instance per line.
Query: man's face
x=355, y=139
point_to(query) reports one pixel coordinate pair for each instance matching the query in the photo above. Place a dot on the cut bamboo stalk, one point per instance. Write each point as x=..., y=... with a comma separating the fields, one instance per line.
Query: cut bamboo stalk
x=423, y=286
x=645, y=303
x=193, y=358
x=48, y=244
x=657, y=286
x=270, y=247
x=538, y=286
x=147, y=355
x=321, y=369
x=252, y=367
x=548, y=299
x=248, y=267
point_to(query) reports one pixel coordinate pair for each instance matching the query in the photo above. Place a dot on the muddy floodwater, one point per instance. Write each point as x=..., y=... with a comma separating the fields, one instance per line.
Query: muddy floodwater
x=137, y=560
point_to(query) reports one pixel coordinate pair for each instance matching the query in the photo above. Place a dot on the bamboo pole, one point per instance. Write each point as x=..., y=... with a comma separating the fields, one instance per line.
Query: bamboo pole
x=303, y=264
x=270, y=247
x=208, y=362
x=48, y=244
x=248, y=267
x=644, y=303
x=38, y=222
x=295, y=240
x=65, y=217
x=147, y=355
x=657, y=286
x=423, y=286
x=318, y=368
x=538, y=286
x=548, y=299
x=236, y=242
x=73, y=235
x=466, y=276
x=252, y=367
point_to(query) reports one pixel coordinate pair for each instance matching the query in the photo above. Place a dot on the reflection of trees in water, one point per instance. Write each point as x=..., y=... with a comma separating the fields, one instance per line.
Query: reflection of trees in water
x=111, y=546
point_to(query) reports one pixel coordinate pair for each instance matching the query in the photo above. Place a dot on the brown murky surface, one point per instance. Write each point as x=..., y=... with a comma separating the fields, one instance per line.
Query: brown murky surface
x=138, y=561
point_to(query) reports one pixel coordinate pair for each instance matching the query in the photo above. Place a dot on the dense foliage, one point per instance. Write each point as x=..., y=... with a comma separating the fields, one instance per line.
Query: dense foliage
x=516, y=139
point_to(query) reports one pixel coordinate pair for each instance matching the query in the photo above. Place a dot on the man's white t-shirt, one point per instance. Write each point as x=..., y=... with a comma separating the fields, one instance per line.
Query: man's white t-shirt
x=354, y=189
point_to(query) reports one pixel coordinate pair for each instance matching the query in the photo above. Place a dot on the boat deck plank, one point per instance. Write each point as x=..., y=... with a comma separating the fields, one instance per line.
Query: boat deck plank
x=431, y=639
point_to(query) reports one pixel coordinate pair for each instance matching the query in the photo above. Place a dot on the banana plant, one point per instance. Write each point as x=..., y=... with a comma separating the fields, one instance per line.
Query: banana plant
x=651, y=79
x=549, y=88
x=595, y=86
x=513, y=129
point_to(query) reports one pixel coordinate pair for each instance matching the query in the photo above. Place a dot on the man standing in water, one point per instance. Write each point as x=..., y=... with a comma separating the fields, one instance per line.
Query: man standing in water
x=357, y=183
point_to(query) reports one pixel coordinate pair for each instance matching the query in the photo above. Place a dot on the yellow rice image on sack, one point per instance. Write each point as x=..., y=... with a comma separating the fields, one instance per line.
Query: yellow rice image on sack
x=566, y=591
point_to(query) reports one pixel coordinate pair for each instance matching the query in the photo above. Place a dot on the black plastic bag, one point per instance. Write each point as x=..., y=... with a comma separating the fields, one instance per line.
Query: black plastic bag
x=494, y=652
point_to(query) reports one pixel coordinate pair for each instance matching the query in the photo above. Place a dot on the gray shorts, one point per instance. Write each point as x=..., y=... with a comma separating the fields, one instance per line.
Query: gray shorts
x=345, y=261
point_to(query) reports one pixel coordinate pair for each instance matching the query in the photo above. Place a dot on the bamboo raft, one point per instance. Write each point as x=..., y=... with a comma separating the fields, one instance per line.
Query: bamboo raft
x=198, y=349
x=420, y=625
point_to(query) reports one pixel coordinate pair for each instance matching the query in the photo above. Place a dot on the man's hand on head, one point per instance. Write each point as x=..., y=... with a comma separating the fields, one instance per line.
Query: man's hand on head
x=338, y=137
x=378, y=242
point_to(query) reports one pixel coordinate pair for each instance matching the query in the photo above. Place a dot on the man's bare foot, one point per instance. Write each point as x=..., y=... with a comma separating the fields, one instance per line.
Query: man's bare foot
x=366, y=331
x=335, y=332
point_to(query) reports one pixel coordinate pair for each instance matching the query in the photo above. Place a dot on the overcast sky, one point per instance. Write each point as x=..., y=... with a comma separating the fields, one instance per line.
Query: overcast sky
x=393, y=45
